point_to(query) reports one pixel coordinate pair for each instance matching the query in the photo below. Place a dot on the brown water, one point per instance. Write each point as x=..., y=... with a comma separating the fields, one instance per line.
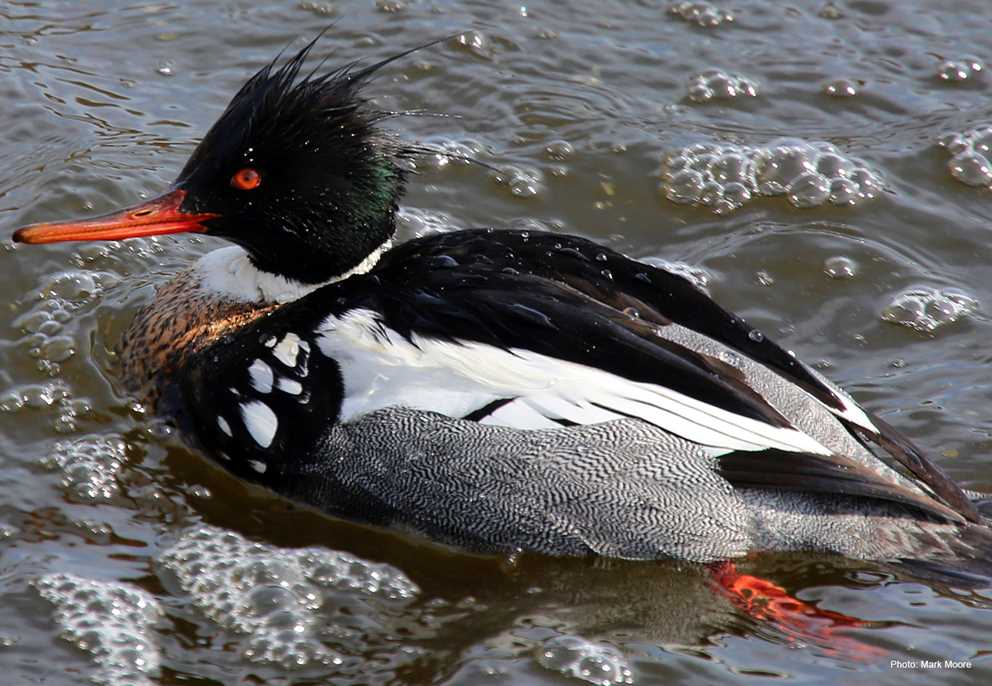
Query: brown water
x=579, y=103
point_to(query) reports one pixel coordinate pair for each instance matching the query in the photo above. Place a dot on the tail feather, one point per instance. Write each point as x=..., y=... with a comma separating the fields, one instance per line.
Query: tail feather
x=970, y=565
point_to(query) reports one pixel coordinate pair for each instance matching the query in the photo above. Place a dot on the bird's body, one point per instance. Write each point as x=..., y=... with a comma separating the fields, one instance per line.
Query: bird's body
x=499, y=390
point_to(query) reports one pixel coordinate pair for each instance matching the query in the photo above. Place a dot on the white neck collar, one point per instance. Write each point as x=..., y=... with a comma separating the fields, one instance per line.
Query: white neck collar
x=229, y=272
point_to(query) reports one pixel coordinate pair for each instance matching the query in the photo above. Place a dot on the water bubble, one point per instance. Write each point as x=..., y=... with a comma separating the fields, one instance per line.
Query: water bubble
x=834, y=166
x=844, y=192
x=969, y=151
x=809, y=190
x=522, y=183
x=685, y=187
x=777, y=168
x=841, y=88
x=956, y=71
x=578, y=658
x=981, y=140
x=112, y=621
x=830, y=11
x=955, y=143
x=275, y=597
x=90, y=466
x=840, y=267
x=474, y=42
x=972, y=169
x=715, y=84
x=701, y=14
x=725, y=178
x=319, y=8
x=926, y=309
x=390, y=6
x=558, y=150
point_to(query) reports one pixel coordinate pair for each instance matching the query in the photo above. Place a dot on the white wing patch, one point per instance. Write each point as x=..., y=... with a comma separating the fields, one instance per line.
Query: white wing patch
x=287, y=350
x=291, y=386
x=383, y=369
x=260, y=421
x=261, y=376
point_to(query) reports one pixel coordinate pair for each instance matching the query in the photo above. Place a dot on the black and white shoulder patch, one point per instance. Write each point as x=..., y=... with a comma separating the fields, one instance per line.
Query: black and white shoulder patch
x=259, y=397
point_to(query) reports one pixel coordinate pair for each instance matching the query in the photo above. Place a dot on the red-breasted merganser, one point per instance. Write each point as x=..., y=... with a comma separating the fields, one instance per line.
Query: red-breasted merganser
x=499, y=390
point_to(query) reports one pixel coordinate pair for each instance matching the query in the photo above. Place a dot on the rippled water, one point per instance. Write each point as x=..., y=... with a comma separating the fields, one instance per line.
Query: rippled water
x=125, y=558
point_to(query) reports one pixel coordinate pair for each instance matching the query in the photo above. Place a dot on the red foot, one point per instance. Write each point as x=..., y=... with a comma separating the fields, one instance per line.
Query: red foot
x=798, y=620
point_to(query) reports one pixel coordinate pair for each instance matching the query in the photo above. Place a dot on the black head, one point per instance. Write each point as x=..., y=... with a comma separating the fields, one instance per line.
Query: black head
x=295, y=171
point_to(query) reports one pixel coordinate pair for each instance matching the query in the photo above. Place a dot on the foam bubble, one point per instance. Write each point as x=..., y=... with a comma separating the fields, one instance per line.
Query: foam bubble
x=841, y=88
x=926, y=309
x=522, y=182
x=726, y=177
x=446, y=152
x=701, y=14
x=830, y=11
x=578, y=658
x=474, y=42
x=840, y=267
x=970, y=151
x=111, y=621
x=322, y=9
x=390, y=6
x=89, y=466
x=716, y=84
x=280, y=598
x=558, y=150
x=957, y=71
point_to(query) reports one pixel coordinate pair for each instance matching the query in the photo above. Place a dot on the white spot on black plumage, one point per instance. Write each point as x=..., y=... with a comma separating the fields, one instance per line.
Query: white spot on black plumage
x=270, y=341
x=261, y=376
x=288, y=349
x=260, y=421
x=235, y=392
x=259, y=467
x=290, y=386
x=224, y=426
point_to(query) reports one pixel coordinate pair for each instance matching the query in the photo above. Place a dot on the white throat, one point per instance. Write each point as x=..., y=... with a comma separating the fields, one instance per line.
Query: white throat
x=230, y=273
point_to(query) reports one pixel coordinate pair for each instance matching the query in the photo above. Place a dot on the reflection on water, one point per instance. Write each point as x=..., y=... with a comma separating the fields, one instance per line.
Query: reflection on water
x=873, y=266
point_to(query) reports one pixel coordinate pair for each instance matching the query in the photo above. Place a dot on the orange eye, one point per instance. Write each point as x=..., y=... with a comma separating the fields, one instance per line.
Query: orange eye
x=246, y=179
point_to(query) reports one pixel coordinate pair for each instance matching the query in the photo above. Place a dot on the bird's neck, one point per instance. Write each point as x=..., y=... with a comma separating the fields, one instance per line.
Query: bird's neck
x=230, y=273
x=220, y=294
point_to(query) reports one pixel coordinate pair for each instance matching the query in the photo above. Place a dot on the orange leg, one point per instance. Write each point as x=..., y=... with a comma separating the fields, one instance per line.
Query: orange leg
x=799, y=621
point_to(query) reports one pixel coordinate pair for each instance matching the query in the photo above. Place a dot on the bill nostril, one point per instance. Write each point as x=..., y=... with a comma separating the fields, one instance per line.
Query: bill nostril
x=143, y=213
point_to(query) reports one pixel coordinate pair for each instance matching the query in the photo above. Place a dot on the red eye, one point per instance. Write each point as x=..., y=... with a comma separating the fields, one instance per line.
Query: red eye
x=246, y=179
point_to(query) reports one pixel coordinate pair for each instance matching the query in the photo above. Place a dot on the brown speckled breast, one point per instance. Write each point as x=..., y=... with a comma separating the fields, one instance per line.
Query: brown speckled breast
x=182, y=320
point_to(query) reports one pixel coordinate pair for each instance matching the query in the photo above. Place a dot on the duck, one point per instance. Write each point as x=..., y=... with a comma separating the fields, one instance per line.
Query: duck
x=495, y=390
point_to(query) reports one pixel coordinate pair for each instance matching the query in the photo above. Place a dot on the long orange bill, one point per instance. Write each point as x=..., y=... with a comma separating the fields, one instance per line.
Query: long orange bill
x=153, y=218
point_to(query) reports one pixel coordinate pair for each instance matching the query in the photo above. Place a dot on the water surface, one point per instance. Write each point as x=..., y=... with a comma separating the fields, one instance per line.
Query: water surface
x=105, y=516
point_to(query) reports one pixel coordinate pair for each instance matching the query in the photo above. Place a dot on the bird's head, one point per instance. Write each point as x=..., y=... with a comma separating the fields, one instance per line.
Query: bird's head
x=295, y=171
